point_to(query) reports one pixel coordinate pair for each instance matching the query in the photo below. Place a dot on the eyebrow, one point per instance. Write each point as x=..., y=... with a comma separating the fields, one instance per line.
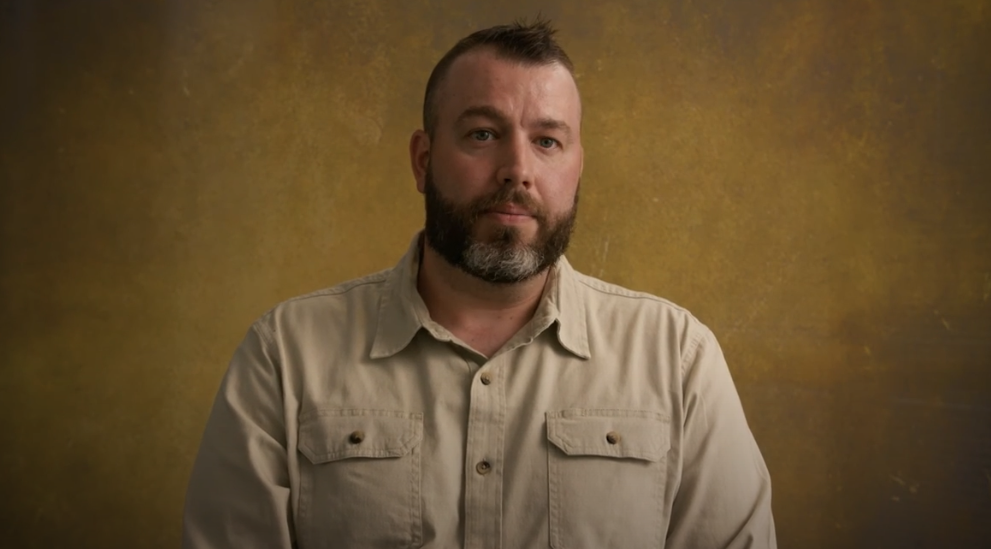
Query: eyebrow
x=488, y=111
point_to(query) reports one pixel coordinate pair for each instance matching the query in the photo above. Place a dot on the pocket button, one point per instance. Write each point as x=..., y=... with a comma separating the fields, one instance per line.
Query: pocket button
x=613, y=437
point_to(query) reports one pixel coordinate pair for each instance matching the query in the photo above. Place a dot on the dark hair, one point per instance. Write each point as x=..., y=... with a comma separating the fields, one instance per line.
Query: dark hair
x=528, y=43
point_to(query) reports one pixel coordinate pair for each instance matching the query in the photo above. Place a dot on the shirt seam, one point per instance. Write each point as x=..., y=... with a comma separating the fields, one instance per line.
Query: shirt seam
x=619, y=291
x=267, y=334
x=270, y=346
x=340, y=289
x=692, y=350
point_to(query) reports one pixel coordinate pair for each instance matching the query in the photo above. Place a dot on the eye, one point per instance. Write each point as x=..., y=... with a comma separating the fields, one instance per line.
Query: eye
x=547, y=142
x=482, y=135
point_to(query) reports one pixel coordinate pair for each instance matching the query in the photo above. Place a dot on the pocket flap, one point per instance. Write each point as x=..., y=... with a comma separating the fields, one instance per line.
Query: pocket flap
x=330, y=435
x=635, y=434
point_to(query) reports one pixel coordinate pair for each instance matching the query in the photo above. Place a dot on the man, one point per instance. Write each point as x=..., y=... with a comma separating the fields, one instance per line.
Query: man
x=482, y=394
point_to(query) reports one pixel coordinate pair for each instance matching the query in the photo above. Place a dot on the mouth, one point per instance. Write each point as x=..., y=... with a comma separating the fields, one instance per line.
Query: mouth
x=509, y=215
x=510, y=209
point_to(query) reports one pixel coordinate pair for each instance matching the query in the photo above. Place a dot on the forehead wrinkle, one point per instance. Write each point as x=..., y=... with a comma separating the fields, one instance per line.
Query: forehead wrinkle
x=547, y=123
x=486, y=111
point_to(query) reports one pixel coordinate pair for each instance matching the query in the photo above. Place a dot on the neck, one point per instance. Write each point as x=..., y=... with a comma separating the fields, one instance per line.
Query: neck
x=483, y=314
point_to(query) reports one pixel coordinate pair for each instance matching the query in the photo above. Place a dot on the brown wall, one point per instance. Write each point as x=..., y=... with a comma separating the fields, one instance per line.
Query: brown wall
x=811, y=178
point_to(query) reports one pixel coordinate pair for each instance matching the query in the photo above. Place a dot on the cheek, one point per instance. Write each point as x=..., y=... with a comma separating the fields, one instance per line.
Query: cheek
x=560, y=195
x=459, y=172
x=560, y=203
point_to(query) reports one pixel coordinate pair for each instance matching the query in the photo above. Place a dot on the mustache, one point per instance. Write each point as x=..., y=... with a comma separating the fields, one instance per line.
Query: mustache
x=508, y=194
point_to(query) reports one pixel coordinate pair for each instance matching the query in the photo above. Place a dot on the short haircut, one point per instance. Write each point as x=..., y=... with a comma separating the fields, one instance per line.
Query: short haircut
x=527, y=43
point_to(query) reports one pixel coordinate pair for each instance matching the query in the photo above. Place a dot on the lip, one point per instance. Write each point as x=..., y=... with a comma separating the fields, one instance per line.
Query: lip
x=511, y=209
x=510, y=217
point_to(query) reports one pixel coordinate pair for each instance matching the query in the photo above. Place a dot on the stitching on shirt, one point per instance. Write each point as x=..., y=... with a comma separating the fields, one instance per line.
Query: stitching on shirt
x=267, y=334
x=554, y=516
x=269, y=344
x=470, y=481
x=652, y=450
x=408, y=440
x=690, y=356
x=570, y=413
x=659, y=499
x=692, y=350
x=306, y=492
x=416, y=522
x=342, y=288
x=619, y=291
x=359, y=412
x=501, y=430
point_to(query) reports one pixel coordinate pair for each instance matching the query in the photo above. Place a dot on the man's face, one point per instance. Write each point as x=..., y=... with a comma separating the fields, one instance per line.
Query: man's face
x=502, y=169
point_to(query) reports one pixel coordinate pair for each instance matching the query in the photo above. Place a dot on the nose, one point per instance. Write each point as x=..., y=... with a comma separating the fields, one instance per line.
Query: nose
x=516, y=165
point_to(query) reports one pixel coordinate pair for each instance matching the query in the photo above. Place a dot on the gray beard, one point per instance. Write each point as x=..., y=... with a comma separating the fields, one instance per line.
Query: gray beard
x=494, y=263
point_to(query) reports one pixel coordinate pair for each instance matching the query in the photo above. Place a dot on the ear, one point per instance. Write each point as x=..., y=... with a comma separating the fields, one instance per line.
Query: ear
x=581, y=167
x=419, y=157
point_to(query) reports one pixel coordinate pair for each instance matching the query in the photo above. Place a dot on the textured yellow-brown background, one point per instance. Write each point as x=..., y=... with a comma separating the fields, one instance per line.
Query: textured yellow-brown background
x=811, y=178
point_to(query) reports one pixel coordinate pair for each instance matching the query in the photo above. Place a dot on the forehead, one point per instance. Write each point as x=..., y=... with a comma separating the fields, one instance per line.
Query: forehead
x=522, y=91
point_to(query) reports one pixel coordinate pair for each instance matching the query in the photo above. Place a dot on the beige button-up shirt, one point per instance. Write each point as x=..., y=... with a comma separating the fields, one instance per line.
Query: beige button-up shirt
x=349, y=419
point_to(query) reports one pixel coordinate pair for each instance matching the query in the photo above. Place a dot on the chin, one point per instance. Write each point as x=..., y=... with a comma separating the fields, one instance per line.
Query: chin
x=503, y=236
x=489, y=230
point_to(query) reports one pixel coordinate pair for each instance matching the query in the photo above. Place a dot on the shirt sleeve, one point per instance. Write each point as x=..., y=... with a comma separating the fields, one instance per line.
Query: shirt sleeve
x=238, y=493
x=724, y=499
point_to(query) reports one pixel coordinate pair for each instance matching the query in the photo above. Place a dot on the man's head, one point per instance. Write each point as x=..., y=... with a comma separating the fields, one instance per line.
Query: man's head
x=500, y=157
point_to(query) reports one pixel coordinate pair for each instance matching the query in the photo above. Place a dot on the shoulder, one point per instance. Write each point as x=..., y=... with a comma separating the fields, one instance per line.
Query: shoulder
x=342, y=301
x=369, y=283
x=625, y=309
x=613, y=295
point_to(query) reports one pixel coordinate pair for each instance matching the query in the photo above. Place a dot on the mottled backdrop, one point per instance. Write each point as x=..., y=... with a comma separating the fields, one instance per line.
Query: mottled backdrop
x=810, y=177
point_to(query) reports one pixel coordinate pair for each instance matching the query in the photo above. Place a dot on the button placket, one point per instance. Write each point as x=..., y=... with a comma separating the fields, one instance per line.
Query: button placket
x=484, y=485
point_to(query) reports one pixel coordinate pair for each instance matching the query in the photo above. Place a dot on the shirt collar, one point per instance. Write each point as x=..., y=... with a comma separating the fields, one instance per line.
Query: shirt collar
x=566, y=305
x=402, y=311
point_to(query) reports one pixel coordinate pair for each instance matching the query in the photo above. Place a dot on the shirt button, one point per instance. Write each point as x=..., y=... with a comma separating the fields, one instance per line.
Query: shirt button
x=356, y=437
x=613, y=437
x=483, y=467
x=485, y=379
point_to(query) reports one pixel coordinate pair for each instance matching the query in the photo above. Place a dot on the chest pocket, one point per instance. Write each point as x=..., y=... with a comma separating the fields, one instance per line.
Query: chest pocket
x=360, y=479
x=606, y=474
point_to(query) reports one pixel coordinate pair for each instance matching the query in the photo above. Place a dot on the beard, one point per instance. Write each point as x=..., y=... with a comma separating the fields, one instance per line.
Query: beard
x=503, y=257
